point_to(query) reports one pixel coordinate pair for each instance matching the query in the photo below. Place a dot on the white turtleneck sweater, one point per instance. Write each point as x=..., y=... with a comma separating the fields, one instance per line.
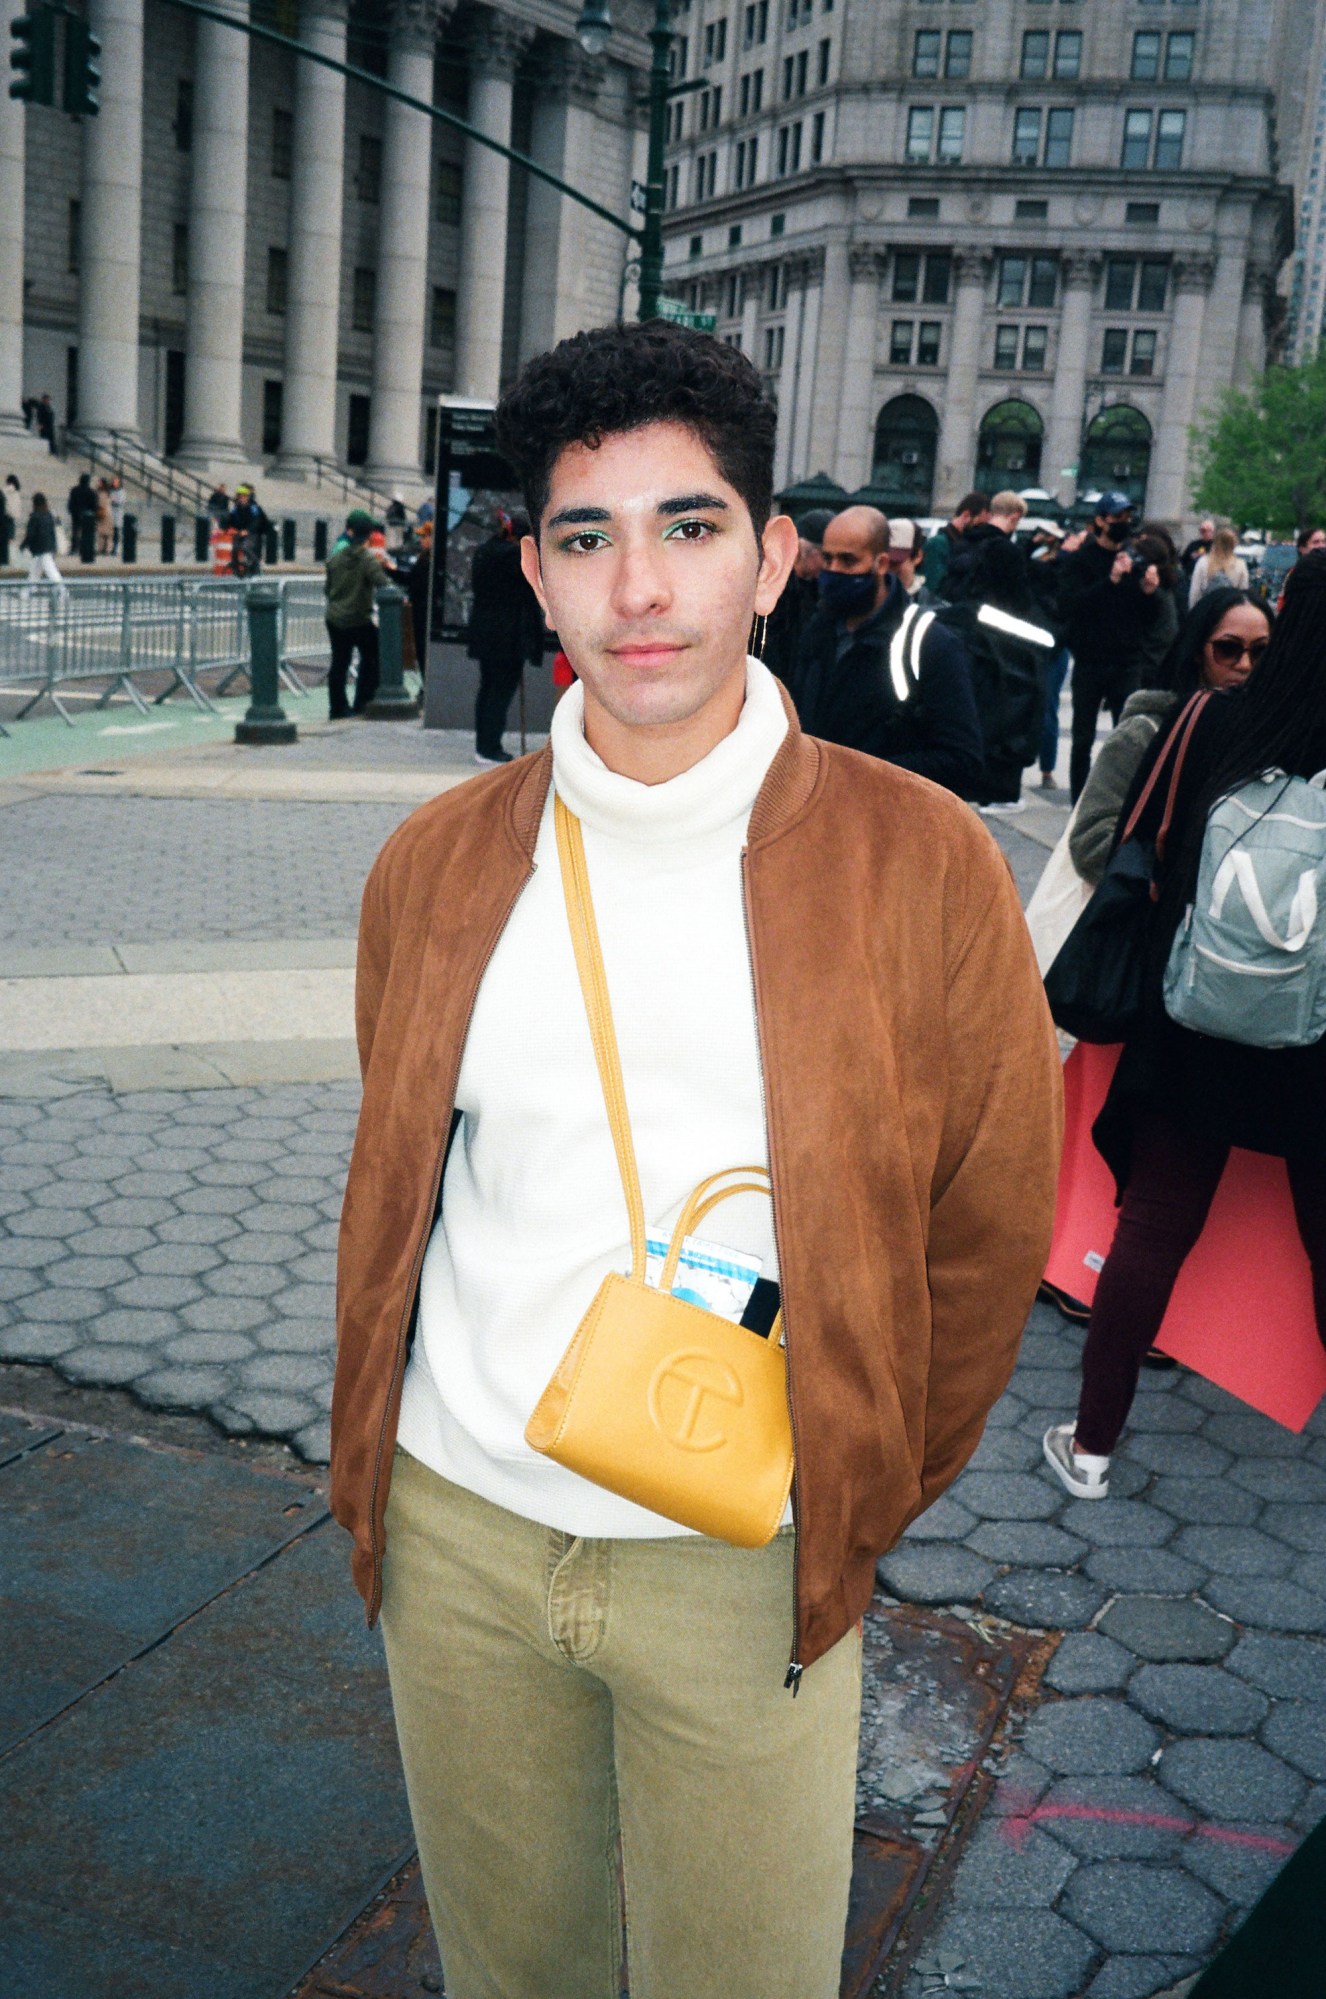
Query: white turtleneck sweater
x=533, y=1216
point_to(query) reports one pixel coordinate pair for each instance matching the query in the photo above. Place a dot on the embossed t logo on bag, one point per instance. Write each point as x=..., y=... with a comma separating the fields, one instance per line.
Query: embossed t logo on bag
x=682, y=1385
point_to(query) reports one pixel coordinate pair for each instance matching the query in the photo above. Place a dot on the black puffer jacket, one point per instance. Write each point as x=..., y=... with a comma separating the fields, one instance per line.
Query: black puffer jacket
x=506, y=622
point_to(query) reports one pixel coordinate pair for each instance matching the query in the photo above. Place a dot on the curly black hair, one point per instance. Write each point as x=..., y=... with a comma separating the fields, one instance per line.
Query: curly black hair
x=618, y=378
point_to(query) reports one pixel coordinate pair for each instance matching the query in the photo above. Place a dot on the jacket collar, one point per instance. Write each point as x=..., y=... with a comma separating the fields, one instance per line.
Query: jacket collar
x=787, y=788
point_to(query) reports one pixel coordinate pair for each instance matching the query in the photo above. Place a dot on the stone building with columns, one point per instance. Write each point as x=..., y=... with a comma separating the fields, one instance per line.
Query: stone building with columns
x=991, y=242
x=249, y=260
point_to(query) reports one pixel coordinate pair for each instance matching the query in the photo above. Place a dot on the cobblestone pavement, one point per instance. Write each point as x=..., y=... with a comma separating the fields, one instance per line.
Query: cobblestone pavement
x=112, y=871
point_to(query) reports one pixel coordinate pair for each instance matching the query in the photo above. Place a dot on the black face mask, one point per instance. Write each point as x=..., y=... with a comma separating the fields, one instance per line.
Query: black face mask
x=1115, y=531
x=843, y=596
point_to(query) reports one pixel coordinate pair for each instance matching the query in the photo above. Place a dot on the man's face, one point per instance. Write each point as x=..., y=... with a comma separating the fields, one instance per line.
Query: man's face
x=962, y=522
x=647, y=567
x=847, y=546
x=1113, y=527
x=1207, y=530
x=809, y=560
x=1316, y=540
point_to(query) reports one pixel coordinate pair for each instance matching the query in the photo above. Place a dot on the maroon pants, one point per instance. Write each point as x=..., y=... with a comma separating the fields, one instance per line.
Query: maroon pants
x=1173, y=1182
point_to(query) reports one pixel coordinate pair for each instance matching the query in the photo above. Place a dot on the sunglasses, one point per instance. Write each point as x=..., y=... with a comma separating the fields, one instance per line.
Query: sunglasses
x=1229, y=651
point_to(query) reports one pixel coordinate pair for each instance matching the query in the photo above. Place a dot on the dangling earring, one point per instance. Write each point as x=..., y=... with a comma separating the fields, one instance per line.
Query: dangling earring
x=759, y=631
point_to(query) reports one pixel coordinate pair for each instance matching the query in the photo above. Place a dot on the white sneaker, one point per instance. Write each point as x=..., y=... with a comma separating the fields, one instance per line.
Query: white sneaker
x=1004, y=809
x=491, y=763
x=1085, y=1477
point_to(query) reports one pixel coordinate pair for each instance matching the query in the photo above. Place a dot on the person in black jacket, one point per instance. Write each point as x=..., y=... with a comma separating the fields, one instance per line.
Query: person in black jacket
x=800, y=599
x=82, y=506
x=1109, y=605
x=505, y=631
x=1008, y=649
x=1180, y=1100
x=853, y=684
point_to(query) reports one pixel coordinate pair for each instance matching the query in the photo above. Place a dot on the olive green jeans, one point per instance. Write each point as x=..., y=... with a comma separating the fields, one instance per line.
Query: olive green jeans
x=555, y=1694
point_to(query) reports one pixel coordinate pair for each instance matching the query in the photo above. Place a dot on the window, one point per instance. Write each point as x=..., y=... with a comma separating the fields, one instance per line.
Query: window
x=706, y=176
x=179, y=259
x=777, y=287
x=1035, y=53
x=1170, y=128
x=368, y=180
x=734, y=236
x=72, y=240
x=752, y=93
x=923, y=207
x=356, y=430
x=777, y=224
x=283, y=143
x=906, y=276
x=925, y=52
x=1120, y=277
x=817, y=139
x=447, y=192
x=743, y=163
x=711, y=107
x=1012, y=279
x=938, y=268
x=1006, y=347
x=1146, y=57
x=1068, y=53
x=678, y=57
x=1136, y=139
x=789, y=149
x=442, y=317
x=364, y=298
x=1144, y=353
x=1026, y=137
x=920, y=131
x=1142, y=214
x=755, y=24
x=1034, y=339
x=273, y=410
x=732, y=297
x=715, y=42
x=927, y=344
x=277, y=267
x=184, y=115
x=1059, y=138
x=1043, y=281
x=1178, y=58
x=900, y=343
x=773, y=348
x=1114, y=350
x=952, y=132
x=822, y=64
x=1031, y=211
x=803, y=72
x=957, y=53
x=1153, y=285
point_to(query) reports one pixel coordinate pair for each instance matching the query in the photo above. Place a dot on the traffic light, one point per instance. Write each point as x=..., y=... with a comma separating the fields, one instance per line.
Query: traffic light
x=32, y=57
x=82, y=68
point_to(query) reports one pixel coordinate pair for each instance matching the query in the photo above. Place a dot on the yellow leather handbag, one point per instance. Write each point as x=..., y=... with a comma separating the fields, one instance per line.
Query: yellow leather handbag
x=655, y=1398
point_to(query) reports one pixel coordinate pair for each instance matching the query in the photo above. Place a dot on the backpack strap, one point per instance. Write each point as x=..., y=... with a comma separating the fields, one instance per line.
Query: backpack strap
x=1175, y=751
x=905, y=651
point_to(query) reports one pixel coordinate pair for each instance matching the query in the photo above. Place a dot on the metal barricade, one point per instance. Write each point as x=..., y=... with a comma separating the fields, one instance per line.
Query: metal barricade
x=305, y=646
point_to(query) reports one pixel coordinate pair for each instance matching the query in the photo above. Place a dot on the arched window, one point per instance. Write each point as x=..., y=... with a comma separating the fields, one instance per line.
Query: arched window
x=1116, y=452
x=1008, y=451
x=903, y=471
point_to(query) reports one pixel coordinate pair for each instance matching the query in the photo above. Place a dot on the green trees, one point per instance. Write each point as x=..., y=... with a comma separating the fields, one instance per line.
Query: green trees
x=1261, y=456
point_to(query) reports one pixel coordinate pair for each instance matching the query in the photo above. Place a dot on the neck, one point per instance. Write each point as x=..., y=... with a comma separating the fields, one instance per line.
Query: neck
x=654, y=752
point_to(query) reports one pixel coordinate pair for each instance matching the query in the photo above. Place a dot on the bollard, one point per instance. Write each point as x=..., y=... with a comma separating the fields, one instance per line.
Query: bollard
x=129, y=538
x=202, y=537
x=319, y=541
x=266, y=721
x=287, y=541
x=393, y=701
x=271, y=544
x=168, y=537
x=87, y=538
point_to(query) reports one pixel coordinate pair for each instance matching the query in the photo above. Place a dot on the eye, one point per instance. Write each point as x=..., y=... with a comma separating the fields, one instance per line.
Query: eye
x=691, y=531
x=585, y=542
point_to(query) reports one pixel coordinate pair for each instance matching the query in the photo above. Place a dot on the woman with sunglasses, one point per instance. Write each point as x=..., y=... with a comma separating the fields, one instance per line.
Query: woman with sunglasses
x=1179, y=1100
x=1221, y=641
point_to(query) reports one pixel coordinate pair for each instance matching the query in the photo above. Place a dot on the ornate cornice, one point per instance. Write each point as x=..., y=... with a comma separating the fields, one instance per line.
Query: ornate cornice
x=1081, y=268
x=562, y=69
x=866, y=261
x=972, y=267
x=1194, y=274
x=414, y=23
x=496, y=44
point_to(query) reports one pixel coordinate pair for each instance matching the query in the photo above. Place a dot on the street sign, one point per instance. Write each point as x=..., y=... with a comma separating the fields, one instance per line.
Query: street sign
x=638, y=194
x=673, y=310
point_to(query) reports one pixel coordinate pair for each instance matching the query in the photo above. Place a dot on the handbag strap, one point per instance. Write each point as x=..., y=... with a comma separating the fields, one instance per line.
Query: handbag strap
x=598, y=1007
x=1175, y=751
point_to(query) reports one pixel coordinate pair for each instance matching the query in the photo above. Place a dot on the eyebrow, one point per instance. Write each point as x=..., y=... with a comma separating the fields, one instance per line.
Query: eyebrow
x=685, y=503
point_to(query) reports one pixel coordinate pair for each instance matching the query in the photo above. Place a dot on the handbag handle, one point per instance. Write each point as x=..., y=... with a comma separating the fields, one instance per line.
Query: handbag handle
x=1177, y=747
x=598, y=1007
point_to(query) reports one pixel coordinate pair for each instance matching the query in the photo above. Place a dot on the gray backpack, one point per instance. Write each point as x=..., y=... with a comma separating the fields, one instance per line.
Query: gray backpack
x=1249, y=960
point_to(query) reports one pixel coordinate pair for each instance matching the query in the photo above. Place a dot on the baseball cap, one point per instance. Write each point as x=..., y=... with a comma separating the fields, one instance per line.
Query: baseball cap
x=902, y=537
x=357, y=518
x=811, y=526
x=1114, y=502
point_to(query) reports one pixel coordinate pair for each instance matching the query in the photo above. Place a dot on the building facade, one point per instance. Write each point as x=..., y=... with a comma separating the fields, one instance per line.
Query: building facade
x=1306, y=315
x=248, y=258
x=994, y=242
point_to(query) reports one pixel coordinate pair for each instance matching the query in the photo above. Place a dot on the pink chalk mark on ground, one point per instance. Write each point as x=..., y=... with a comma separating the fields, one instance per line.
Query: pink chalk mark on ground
x=1026, y=1814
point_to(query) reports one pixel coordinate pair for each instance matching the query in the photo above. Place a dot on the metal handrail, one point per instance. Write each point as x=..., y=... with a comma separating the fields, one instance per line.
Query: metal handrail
x=347, y=485
x=131, y=459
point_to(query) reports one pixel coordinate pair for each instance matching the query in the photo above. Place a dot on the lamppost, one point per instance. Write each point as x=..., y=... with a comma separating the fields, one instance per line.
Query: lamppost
x=592, y=32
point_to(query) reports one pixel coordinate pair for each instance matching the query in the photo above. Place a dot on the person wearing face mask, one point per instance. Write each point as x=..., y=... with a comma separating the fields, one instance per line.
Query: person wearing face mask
x=796, y=606
x=1109, y=603
x=876, y=674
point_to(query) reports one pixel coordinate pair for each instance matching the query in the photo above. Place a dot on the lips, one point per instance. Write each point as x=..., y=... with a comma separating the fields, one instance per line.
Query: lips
x=660, y=654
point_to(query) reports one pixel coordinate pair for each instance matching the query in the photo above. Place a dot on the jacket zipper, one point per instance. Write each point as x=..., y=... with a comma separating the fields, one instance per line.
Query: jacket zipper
x=795, y=1668
x=412, y=1289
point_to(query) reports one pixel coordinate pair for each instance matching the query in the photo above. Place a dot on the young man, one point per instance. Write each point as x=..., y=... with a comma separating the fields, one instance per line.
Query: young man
x=850, y=686
x=354, y=576
x=971, y=511
x=1108, y=609
x=815, y=963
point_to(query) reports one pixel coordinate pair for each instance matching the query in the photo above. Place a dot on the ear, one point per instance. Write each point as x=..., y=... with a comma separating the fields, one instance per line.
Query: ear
x=533, y=574
x=778, y=551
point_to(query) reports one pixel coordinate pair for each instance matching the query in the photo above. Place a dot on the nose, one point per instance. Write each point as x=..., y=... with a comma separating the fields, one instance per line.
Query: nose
x=640, y=585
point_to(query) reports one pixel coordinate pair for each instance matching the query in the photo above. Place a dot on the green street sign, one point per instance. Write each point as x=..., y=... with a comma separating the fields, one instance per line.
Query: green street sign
x=674, y=311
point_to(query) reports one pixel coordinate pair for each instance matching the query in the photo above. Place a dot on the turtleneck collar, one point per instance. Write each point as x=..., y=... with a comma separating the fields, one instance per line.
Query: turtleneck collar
x=705, y=800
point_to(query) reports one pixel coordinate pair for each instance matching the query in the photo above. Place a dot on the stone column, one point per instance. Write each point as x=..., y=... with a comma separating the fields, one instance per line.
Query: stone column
x=482, y=287
x=218, y=225
x=796, y=276
x=556, y=230
x=1250, y=351
x=1167, y=495
x=110, y=190
x=807, y=347
x=856, y=413
x=957, y=435
x=13, y=120
x=827, y=361
x=313, y=279
x=1063, y=441
x=751, y=281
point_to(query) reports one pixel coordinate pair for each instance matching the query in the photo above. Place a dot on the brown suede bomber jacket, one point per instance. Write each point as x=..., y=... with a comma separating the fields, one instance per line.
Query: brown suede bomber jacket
x=913, y=1093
